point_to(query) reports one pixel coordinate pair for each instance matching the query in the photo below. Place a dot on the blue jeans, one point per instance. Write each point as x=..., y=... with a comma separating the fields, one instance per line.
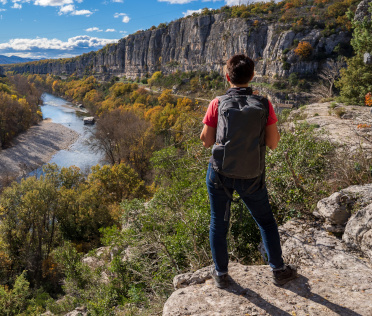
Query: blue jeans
x=258, y=205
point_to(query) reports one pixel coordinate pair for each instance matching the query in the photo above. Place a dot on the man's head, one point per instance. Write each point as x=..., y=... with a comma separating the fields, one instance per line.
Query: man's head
x=240, y=69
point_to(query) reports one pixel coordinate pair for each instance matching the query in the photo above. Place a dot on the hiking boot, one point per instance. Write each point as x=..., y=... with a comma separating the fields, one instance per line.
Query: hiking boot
x=221, y=281
x=289, y=272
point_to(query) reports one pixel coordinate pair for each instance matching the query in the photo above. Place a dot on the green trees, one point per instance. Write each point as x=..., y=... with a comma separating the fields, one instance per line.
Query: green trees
x=28, y=226
x=38, y=215
x=15, y=301
x=356, y=79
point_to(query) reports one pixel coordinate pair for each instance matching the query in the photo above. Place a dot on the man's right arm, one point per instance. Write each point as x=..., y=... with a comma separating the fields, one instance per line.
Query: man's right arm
x=208, y=136
x=272, y=136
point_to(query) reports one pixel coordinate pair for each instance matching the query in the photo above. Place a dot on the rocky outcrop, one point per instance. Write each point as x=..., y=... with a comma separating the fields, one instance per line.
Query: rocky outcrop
x=333, y=280
x=362, y=11
x=197, y=43
x=317, y=291
x=337, y=209
x=349, y=127
x=358, y=231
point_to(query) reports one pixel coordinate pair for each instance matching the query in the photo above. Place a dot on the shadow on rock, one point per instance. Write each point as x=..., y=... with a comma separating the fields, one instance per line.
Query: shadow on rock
x=255, y=298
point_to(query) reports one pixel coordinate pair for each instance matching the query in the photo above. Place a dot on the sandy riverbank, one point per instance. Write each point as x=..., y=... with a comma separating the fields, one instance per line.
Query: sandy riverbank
x=35, y=148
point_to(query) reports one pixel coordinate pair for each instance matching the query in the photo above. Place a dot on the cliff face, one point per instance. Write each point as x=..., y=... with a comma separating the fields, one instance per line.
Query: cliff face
x=197, y=43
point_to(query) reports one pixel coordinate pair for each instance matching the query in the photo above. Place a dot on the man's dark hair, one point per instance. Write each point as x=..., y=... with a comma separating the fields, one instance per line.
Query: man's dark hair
x=240, y=69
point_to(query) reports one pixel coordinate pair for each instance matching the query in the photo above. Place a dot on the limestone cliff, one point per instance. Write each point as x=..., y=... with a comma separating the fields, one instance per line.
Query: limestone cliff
x=199, y=43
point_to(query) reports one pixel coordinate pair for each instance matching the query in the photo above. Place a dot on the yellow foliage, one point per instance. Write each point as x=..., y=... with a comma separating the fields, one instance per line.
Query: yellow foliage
x=184, y=104
x=304, y=49
x=166, y=97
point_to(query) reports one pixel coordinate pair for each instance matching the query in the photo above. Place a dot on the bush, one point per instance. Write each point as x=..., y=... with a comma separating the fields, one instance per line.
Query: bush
x=286, y=65
x=304, y=50
x=293, y=79
x=295, y=172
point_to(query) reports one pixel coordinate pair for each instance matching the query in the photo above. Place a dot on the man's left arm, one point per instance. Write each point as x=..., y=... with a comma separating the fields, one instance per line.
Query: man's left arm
x=272, y=136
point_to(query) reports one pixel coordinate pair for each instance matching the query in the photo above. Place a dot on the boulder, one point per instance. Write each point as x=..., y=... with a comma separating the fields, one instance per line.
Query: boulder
x=89, y=120
x=362, y=11
x=309, y=244
x=337, y=208
x=358, y=231
x=186, y=279
x=79, y=311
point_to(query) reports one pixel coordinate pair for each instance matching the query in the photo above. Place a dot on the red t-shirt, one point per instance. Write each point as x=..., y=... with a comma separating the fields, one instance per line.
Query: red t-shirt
x=211, y=117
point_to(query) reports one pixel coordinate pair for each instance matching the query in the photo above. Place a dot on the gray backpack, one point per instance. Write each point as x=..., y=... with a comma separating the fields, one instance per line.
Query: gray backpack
x=239, y=151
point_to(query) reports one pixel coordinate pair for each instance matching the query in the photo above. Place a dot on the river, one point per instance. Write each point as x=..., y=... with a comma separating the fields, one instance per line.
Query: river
x=79, y=154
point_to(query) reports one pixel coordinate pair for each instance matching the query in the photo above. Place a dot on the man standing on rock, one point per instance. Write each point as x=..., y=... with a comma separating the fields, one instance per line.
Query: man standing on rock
x=240, y=125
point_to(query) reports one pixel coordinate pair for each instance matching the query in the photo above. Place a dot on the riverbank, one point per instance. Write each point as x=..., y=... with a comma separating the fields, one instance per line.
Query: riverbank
x=34, y=148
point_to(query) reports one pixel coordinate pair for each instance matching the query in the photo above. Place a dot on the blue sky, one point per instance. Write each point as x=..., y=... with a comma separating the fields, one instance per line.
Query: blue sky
x=65, y=28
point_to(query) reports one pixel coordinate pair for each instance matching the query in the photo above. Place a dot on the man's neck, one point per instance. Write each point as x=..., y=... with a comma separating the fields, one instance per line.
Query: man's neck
x=239, y=85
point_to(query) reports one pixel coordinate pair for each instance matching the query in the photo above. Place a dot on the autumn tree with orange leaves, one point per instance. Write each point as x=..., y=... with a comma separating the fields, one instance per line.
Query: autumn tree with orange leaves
x=304, y=50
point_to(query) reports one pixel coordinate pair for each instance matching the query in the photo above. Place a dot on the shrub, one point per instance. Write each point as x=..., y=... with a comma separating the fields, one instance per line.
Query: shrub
x=368, y=99
x=295, y=172
x=340, y=111
x=304, y=50
x=286, y=65
x=293, y=79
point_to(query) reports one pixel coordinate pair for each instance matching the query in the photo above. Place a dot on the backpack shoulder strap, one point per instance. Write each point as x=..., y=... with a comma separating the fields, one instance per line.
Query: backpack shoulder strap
x=223, y=98
x=265, y=103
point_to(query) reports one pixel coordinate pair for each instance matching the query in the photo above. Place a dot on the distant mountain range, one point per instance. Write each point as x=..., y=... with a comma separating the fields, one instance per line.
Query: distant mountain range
x=14, y=60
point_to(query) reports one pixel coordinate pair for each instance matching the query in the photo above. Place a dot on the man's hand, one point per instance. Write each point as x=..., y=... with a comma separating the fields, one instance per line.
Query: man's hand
x=208, y=136
x=272, y=136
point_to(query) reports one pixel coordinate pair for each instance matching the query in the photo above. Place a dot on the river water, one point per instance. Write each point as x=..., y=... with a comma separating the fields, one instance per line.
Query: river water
x=79, y=154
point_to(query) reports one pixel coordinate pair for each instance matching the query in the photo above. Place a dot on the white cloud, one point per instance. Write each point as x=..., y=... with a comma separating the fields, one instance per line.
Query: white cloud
x=82, y=12
x=17, y=6
x=3, y=1
x=125, y=19
x=93, y=29
x=176, y=1
x=66, y=9
x=53, y=3
x=40, y=44
x=110, y=30
x=70, y=9
x=191, y=12
x=2, y=10
x=118, y=1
